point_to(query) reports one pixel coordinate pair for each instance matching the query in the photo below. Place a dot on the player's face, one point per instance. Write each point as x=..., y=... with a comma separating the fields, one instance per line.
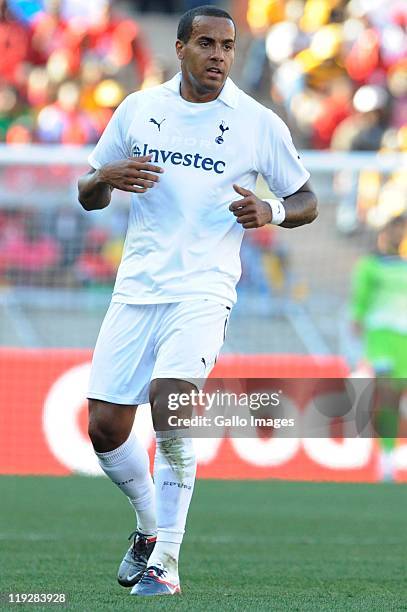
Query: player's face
x=206, y=59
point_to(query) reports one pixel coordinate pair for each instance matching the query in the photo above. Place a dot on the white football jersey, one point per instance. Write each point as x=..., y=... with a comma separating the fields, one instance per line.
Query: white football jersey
x=182, y=241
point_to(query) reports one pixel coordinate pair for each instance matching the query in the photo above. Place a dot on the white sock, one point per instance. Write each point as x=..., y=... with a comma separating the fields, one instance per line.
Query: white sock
x=387, y=465
x=129, y=468
x=174, y=478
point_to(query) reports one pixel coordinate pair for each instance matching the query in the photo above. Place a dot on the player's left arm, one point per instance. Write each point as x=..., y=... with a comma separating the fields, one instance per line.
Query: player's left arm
x=301, y=207
x=252, y=212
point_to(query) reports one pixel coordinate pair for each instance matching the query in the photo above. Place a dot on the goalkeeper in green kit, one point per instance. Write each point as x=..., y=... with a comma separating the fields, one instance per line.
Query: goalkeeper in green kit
x=379, y=312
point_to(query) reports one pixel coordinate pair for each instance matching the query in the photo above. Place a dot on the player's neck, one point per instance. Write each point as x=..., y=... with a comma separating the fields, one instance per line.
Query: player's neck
x=191, y=92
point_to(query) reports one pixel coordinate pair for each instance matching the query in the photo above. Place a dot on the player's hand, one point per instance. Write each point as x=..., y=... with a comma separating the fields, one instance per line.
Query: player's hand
x=133, y=174
x=250, y=211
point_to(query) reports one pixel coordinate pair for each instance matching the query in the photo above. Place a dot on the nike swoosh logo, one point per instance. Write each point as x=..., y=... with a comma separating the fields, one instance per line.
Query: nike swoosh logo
x=133, y=576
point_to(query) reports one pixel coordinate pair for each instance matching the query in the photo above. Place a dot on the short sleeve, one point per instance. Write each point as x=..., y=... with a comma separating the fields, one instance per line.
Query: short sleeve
x=112, y=145
x=277, y=159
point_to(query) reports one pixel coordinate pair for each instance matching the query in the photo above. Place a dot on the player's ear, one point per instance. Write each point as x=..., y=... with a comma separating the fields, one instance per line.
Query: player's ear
x=179, y=47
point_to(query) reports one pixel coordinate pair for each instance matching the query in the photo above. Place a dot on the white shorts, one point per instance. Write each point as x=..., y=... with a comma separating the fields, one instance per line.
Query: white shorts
x=140, y=342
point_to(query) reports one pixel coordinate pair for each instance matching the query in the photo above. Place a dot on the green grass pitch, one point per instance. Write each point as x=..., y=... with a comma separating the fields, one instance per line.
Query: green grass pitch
x=249, y=546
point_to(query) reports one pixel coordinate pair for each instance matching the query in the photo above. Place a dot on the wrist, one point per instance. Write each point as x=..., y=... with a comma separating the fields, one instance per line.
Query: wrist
x=101, y=177
x=277, y=211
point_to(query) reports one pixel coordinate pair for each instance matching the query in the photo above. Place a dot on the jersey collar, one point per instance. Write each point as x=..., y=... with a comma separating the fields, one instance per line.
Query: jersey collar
x=228, y=95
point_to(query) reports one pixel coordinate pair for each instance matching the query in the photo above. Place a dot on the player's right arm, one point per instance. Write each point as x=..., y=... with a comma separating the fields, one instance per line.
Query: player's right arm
x=135, y=175
x=113, y=165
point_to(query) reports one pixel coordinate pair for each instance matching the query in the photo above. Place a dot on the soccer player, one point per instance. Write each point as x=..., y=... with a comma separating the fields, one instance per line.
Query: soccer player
x=379, y=312
x=189, y=151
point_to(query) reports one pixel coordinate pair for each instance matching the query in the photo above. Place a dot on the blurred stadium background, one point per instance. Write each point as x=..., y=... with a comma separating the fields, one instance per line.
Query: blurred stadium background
x=335, y=70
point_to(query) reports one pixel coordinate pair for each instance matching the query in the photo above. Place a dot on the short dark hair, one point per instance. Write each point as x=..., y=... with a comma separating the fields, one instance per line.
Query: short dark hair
x=185, y=23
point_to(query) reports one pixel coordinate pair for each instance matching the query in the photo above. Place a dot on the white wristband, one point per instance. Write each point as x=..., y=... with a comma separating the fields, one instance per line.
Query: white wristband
x=278, y=211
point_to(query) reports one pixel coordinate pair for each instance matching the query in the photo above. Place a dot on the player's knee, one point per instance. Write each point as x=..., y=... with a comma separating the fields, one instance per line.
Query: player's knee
x=159, y=411
x=100, y=436
x=102, y=430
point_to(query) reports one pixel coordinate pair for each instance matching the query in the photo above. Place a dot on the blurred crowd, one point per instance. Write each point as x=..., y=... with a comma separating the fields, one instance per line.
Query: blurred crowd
x=336, y=70
x=64, y=67
x=65, y=247
x=59, y=247
x=337, y=67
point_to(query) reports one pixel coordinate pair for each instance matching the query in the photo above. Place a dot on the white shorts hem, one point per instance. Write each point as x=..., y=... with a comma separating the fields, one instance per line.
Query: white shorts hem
x=116, y=399
x=196, y=381
x=176, y=375
x=175, y=299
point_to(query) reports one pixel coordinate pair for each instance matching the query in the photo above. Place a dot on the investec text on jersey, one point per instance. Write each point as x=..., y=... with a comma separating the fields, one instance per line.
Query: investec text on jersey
x=177, y=159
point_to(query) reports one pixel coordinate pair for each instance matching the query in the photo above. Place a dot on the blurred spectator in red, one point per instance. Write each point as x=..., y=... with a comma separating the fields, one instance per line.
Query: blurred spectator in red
x=65, y=67
x=118, y=43
x=57, y=41
x=364, y=130
x=14, y=46
x=26, y=252
x=92, y=267
x=333, y=109
x=65, y=121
